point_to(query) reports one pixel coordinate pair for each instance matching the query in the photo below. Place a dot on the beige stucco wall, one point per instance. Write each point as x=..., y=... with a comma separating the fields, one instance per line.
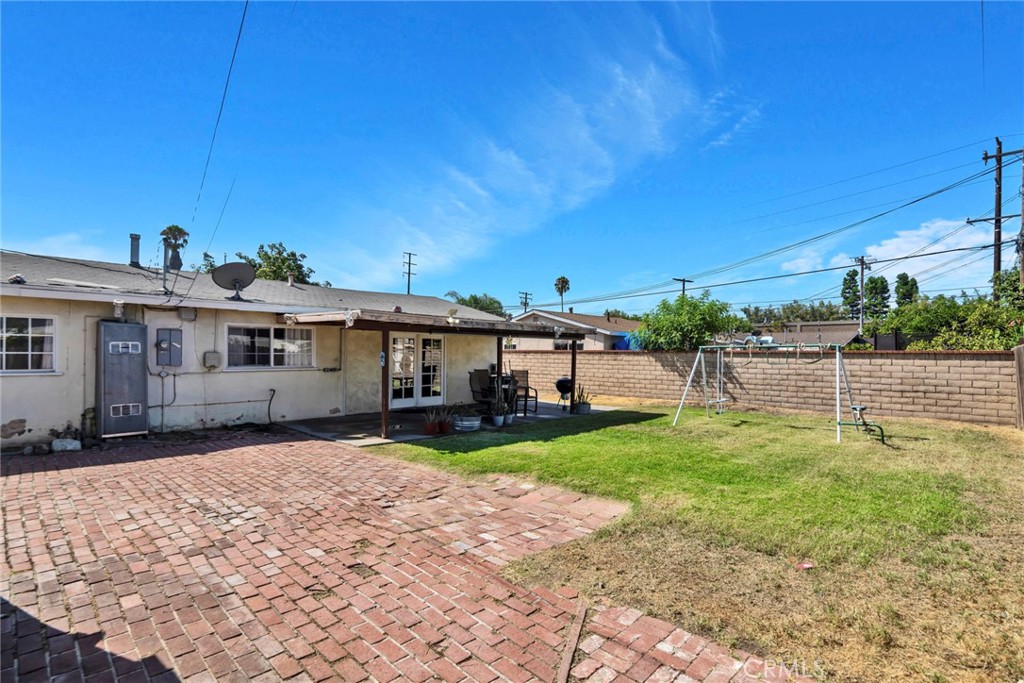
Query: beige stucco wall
x=188, y=397
x=462, y=354
x=345, y=379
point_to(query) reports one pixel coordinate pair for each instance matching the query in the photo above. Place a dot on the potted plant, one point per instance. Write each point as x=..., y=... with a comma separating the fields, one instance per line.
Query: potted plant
x=465, y=418
x=582, y=401
x=501, y=413
x=444, y=422
x=433, y=419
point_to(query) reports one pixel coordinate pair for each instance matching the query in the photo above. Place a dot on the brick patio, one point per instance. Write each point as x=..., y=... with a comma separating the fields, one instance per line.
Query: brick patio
x=261, y=557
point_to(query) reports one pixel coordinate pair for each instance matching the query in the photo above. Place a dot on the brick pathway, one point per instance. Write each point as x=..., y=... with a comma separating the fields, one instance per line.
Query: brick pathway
x=258, y=557
x=267, y=558
x=625, y=646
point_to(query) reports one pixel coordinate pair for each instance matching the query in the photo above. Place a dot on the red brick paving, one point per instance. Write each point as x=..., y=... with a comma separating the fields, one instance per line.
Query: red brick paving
x=622, y=645
x=265, y=558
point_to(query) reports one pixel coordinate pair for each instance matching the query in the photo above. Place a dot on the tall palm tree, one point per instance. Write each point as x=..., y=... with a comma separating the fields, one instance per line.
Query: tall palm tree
x=562, y=286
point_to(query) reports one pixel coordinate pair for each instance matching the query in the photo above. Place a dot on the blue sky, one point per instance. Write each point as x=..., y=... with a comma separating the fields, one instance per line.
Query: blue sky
x=506, y=144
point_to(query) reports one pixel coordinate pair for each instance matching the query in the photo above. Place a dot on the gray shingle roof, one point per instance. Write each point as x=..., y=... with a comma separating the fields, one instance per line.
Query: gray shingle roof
x=56, y=273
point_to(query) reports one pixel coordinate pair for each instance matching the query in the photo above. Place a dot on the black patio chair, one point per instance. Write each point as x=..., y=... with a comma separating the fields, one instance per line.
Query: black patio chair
x=524, y=392
x=480, y=385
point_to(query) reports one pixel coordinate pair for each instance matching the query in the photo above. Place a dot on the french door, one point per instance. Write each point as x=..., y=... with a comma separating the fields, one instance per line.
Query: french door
x=417, y=370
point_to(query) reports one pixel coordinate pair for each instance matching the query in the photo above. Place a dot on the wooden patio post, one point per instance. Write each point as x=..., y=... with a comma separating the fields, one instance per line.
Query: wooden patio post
x=572, y=376
x=384, y=372
x=501, y=349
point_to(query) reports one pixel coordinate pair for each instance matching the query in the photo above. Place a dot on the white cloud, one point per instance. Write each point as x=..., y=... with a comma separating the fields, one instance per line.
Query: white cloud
x=950, y=271
x=563, y=146
x=741, y=122
x=809, y=258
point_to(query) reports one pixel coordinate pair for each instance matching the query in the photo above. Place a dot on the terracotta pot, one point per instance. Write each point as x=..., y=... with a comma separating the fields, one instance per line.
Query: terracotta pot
x=446, y=427
x=432, y=427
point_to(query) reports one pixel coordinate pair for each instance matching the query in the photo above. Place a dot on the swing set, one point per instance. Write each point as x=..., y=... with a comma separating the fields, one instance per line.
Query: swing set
x=807, y=354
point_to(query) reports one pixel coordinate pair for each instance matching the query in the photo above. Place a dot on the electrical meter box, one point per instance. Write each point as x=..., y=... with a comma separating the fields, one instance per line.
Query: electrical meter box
x=168, y=347
x=121, y=379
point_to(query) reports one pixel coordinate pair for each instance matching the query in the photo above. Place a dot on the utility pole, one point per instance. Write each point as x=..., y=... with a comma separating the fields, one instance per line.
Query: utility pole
x=524, y=300
x=408, y=270
x=864, y=264
x=997, y=218
x=684, y=281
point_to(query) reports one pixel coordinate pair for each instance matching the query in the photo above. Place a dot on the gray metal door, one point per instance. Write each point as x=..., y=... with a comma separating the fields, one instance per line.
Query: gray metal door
x=121, y=379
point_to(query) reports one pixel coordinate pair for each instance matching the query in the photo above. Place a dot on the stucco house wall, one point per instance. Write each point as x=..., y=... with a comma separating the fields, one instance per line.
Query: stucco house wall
x=345, y=378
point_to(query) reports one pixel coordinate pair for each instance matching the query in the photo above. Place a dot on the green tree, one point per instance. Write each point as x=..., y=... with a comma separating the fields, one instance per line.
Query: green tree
x=851, y=294
x=208, y=265
x=175, y=237
x=906, y=290
x=274, y=261
x=876, y=297
x=1008, y=288
x=619, y=313
x=685, y=323
x=481, y=302
x=562, y=286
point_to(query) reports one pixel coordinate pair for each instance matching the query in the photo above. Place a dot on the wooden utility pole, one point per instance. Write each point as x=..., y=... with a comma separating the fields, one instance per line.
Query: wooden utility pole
x=684, y=281
x=408, y=271
x=524, y=300
x=997, y=219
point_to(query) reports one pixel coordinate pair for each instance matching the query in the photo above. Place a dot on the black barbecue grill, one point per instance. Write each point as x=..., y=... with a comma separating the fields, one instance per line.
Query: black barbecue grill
x=563, y=386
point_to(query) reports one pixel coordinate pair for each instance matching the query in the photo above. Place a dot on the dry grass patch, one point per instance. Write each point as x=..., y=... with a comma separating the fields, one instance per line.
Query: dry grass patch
x=917, y=546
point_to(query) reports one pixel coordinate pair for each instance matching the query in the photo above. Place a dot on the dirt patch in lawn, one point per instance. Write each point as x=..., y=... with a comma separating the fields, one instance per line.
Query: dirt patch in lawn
x=896, y=620
x=948, y=610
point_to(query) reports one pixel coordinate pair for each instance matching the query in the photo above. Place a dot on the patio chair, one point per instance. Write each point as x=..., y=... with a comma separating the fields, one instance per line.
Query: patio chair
x=524, y=392
x=480, y=385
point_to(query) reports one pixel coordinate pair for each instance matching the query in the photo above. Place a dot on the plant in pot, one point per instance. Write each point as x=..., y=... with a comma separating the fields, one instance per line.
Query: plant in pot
x=501, y=412
x=465, y=418
x=444, y=422
x=433, y=419
x=582, y=401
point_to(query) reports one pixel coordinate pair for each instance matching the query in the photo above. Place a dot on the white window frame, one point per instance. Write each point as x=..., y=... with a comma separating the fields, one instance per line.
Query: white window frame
x=33, y=371
x=417, y=400
x=228, y=367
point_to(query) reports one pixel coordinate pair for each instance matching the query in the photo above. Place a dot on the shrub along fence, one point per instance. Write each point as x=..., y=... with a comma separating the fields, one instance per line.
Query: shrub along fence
x=967, y=386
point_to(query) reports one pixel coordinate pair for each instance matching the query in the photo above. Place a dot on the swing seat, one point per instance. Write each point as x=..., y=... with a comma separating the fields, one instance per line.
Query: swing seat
x=859, y=421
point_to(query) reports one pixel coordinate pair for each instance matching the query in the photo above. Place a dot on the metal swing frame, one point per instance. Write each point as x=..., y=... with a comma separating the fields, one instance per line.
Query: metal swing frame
x=842, y=382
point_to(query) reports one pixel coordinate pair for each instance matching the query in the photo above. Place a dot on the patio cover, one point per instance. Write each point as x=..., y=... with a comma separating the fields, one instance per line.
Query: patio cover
x=395, y=321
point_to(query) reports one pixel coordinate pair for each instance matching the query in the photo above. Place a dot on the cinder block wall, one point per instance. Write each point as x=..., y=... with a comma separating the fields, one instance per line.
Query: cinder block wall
x=977, y=386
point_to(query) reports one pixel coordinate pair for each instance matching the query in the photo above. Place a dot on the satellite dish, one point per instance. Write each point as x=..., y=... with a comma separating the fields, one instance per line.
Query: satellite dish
x=236, y=276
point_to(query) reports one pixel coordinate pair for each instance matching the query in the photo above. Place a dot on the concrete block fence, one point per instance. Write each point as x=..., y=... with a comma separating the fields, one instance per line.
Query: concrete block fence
x=968, y=386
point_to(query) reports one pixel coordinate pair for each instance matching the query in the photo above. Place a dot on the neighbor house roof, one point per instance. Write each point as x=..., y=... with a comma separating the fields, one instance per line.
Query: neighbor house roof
x=825, y=336
x=57, y=277
x=605, y=324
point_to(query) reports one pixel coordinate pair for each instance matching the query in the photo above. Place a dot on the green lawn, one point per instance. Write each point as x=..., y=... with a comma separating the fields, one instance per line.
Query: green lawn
x=916, y=544
x=771, y=484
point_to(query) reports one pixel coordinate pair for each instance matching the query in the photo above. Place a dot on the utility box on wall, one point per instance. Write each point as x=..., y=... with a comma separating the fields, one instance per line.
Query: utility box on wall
x=168, y=347
x=121, y=374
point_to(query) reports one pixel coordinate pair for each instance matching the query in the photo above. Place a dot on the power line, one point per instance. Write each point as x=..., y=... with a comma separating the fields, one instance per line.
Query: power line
x=788, y=275
x=209, y=245
x=220, y=111
x=854, y=194
x=775, y=228
x=876, y=172
x=836, y=231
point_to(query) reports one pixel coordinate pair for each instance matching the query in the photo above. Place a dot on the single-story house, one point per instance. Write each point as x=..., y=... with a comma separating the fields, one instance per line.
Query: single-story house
x=116, y=349
x=607, y=332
